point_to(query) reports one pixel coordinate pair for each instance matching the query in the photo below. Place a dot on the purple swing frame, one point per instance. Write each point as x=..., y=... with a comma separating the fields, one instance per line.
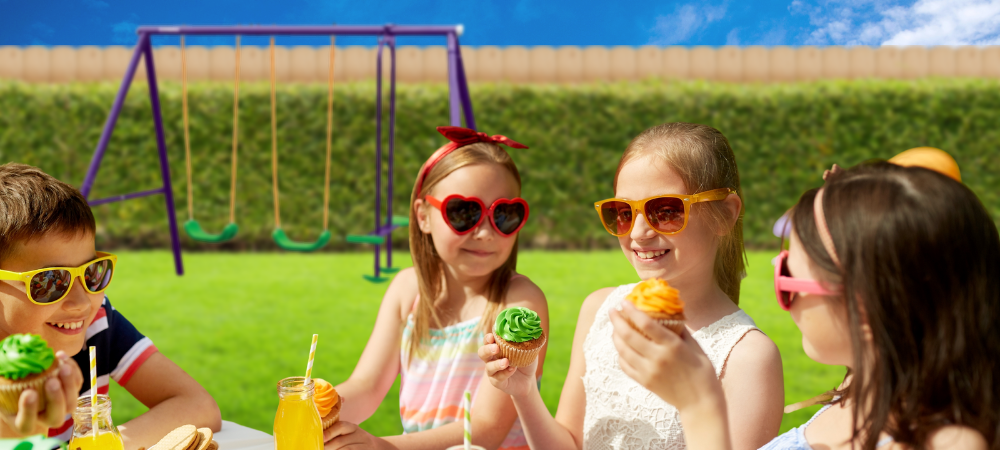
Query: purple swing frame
x=458, y=94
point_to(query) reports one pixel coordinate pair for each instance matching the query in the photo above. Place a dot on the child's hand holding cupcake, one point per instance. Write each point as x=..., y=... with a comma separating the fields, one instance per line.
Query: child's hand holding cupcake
x=38, y=387
x=656, y=350
x=660, y=302
x=516, y=340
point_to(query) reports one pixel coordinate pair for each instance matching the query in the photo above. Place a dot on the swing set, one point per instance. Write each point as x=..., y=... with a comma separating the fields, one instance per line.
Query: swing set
x=379, y=237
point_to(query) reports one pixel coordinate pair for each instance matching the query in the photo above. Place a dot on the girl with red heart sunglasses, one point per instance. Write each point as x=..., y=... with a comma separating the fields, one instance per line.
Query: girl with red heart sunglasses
x=465, y=216
x=891, y=272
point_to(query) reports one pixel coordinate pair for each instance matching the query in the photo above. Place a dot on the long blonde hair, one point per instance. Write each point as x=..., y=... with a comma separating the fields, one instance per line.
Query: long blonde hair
x=427, y=262
x=702, y=157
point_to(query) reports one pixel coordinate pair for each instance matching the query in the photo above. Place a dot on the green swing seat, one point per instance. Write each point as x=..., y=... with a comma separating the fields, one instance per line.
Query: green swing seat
x=374, y=239
x=194, y=230
x=397, y=221
x=287, y=243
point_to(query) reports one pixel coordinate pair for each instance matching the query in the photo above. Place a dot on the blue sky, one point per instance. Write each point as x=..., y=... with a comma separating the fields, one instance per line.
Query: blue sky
x=528, y=22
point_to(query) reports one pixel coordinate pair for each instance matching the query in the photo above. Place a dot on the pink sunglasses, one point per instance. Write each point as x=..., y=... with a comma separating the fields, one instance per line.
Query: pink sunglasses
x=785, y=284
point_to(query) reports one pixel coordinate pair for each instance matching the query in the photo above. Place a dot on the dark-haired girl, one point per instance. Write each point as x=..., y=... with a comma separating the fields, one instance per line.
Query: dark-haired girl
x=893, y=272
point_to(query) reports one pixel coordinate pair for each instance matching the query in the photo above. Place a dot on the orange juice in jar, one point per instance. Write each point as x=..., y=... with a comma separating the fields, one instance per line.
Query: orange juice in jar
x=84, y=437
x=297, y=425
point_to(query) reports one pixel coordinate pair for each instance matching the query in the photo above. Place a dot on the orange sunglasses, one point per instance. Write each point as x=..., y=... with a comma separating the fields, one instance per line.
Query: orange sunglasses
x=667, y=214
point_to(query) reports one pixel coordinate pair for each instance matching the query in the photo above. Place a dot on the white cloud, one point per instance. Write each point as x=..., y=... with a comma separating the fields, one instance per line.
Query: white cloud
x=684, y=22
x=882, y=22
x=733, y=38
x=955, y=22
x=775, y=36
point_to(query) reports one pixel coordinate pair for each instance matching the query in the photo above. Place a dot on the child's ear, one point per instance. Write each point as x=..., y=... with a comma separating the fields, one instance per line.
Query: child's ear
x=734, y=205
x=423, y=220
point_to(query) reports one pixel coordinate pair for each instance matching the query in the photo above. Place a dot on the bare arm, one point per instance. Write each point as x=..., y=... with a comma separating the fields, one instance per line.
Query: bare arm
x=378, y=366
x=492, y=414
x=753, y=383
x=173, y=399
x=677, y=370
x=565, y=431
x=573, y=399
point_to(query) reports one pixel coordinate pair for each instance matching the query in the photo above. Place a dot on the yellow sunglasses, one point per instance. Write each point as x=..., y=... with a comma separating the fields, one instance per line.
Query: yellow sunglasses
x=52, y=284
x=667, y=214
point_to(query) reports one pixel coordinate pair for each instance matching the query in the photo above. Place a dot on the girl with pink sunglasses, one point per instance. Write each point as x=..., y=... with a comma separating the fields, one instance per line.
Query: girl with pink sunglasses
x=892, y=272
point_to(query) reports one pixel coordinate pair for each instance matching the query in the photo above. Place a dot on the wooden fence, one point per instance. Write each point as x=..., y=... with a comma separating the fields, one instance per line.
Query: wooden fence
x=515, y=64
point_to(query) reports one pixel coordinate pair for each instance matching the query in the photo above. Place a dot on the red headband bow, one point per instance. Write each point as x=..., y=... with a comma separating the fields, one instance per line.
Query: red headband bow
x=460, y=137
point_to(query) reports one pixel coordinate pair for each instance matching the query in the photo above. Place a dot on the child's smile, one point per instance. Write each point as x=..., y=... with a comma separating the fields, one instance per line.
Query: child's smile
x=649, y=255
x=478, y=253
x=68, y=326
x=63, y=324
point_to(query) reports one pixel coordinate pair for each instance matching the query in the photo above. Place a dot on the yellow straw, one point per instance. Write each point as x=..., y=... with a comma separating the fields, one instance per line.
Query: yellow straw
x=312, y=355
x=93, y=390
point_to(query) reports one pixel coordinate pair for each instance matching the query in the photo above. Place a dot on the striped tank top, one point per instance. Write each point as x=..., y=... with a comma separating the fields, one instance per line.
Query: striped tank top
x=431, y=388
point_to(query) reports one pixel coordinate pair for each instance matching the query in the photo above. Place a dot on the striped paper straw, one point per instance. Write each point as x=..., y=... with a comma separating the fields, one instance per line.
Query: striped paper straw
x=466, y=406
x=312, y=355
x=93, y=390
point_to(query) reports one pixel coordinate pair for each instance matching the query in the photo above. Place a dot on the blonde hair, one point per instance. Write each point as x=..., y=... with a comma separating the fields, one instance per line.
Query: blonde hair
x=427, y=262
x=702, y=157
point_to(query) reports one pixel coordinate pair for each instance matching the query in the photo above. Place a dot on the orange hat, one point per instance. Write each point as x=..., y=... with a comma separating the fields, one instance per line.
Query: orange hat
x=929, y=158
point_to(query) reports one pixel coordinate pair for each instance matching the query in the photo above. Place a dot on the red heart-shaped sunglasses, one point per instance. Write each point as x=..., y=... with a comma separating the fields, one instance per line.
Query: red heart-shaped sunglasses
x=464, y=214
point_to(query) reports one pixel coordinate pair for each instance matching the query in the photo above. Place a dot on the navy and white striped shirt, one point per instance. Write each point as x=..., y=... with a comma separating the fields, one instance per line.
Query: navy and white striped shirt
x=121, y=350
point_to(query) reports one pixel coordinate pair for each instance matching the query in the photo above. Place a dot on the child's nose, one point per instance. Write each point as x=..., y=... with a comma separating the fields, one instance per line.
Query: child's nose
x=641, y=230
x=484, y=231
x=78, y=298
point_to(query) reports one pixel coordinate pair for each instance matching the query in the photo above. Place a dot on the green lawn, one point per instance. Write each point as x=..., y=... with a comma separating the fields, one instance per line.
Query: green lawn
x=239, y=322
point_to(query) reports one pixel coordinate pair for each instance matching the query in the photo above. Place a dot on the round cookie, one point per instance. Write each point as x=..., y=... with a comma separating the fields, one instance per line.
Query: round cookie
x=204, y=438
x=180, y=438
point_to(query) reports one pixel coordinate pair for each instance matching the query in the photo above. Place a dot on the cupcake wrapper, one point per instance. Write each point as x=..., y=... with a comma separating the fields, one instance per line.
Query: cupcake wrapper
x=519, y=357
x=330, y=419
x=677, y=326
x=10, y=393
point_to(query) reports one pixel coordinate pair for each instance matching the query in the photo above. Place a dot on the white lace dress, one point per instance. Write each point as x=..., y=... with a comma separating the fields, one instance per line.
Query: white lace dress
x=620, y=413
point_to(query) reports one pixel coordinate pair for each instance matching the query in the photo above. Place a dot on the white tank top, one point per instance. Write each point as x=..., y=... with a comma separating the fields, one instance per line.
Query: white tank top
x=620, y=413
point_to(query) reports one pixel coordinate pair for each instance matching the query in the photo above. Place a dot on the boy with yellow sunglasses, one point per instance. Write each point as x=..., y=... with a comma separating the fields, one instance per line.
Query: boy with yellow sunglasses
x=52, y=283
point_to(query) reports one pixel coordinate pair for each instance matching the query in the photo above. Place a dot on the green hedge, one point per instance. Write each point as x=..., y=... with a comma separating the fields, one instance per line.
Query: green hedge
x=784, y=135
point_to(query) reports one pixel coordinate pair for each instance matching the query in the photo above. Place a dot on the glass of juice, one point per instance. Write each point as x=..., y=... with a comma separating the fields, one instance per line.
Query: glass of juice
x=84, y=438
x=297, y=425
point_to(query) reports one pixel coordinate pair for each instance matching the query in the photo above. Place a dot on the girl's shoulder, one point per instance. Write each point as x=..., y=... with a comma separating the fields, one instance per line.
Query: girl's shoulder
x=956, y=437
x=403, y=292
x=598, y=298
x=524, y=292
x=753, y=352
x=593, y=303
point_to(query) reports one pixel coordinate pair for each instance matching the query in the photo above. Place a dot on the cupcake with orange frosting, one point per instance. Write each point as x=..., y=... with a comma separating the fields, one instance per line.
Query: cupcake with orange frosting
x=660, y=302
x=327, y=402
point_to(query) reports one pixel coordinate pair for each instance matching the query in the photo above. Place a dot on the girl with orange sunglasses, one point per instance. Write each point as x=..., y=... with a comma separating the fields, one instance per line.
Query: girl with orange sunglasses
x=677, y=214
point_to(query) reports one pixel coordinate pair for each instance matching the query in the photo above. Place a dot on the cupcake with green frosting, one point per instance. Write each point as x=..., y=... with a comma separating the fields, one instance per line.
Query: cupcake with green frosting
x=519, y=335
x=26, y=362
